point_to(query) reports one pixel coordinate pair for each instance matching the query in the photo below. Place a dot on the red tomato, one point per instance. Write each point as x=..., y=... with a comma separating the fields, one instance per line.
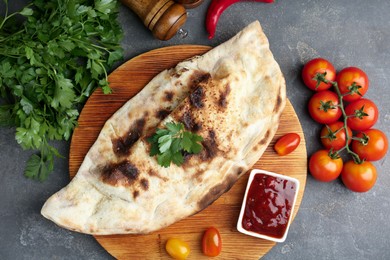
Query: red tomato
x=324, y=107
x=177, y=248
x=318, y=66
x=359, y=177
x=372, y=147
x=211, y=242
x=354, y=81
x=362, y=114
x=323, y=168
x=287, y=143
x=333, y=136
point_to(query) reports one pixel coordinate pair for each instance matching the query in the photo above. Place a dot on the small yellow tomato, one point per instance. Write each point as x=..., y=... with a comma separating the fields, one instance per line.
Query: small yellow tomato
x=177, y=248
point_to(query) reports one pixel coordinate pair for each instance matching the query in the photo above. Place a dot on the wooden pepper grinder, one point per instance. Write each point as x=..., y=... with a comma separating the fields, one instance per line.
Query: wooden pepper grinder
x=163, y=17
x=188, y=4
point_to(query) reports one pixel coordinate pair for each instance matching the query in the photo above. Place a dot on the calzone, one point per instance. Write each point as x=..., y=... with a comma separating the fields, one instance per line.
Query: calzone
x=232, y=96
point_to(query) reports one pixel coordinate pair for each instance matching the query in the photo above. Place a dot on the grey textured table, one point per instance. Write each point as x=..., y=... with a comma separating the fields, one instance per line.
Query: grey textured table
x=332, y=223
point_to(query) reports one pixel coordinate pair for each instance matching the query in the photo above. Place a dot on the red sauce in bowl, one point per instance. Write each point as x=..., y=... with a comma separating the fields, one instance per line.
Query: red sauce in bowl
x=268, y=205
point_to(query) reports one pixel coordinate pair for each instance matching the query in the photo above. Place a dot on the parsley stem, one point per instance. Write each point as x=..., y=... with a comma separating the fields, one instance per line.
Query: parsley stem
x=89, y=44
x=9, y=55
x=6, y=18
x=104, y=69
x=3, y=39
x=6, y=14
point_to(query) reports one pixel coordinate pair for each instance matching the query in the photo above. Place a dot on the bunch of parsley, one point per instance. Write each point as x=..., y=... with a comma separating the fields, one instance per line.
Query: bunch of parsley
x=169, y=144
x=53, y=54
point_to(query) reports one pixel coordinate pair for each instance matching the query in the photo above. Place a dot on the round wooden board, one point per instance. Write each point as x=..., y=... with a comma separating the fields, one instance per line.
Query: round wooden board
x=126, y=81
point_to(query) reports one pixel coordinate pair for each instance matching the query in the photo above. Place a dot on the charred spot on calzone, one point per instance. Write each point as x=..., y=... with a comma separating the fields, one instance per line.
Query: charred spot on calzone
x=123, y=173
x=223, y=96
x=197, y=97
x=189, y=122
x=162, y=113
x=168, y=96
x=121, y=145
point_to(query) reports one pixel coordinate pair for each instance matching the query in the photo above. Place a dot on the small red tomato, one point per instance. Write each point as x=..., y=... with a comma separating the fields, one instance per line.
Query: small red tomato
x=333, y=136
x=287, y=143
x=372, y=146
x=315, y=67
x=324, y=168
x=324, y=107
x=354, y=81
x=359, y=177
x=362, y=114
x=211, y=242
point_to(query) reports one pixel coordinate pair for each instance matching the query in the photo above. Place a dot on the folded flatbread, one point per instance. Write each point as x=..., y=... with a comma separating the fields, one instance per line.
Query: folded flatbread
x=232, y=96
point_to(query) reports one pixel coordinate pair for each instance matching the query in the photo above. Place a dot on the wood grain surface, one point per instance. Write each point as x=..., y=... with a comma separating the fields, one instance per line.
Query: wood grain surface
x=126, y=81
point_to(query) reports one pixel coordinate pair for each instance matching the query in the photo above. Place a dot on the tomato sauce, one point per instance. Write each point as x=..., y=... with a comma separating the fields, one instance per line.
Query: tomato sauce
x=268, y=205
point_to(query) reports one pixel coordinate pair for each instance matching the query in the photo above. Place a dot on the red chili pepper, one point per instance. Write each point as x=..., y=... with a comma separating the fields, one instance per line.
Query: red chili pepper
x=215, y=10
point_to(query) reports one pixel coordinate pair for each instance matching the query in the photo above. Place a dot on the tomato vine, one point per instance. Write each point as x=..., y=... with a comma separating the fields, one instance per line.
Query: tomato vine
x=348, y=126
x=320, y=77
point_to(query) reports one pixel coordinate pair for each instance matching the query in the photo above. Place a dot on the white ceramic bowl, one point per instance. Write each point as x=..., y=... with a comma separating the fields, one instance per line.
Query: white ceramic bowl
x=255, y=234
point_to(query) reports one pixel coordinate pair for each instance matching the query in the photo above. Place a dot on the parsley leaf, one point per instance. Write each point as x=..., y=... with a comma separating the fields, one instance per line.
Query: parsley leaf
x=34, y=166
x=6, y=118
x=170, y=144
x=174, y=128
x=63, y=94
x=51, y=61
x=39, y=167
x=165, y=142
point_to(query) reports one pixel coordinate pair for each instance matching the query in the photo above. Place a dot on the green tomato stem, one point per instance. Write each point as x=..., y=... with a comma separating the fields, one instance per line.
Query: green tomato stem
x=355, y=157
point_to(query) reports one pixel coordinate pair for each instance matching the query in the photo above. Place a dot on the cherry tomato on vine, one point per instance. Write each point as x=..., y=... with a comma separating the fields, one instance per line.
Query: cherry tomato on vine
x=354, y=81
x=362, y=114
x=373, y=145
x=324, y=107
x=211, y=242
x=315, y=67
x=178, y=249
x=287, y=143
x=333, y=136
x=324, y=168
x=359, y=177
